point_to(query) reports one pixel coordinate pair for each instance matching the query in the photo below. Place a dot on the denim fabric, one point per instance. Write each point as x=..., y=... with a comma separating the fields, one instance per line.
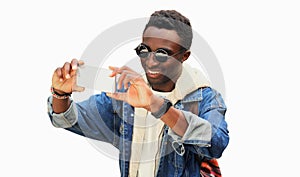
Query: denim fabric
x=111, y=121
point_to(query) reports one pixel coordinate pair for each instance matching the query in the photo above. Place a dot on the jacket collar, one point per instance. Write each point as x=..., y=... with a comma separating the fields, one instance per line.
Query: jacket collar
x=190, y=80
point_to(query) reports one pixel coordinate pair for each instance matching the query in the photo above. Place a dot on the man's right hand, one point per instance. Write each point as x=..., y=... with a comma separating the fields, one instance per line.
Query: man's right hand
x=64, y=78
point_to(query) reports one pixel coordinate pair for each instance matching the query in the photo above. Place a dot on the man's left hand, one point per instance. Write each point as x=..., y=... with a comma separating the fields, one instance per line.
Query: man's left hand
x=138, y=94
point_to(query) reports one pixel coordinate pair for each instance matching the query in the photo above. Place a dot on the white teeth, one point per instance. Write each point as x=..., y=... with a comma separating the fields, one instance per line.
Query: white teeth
x=153, y=72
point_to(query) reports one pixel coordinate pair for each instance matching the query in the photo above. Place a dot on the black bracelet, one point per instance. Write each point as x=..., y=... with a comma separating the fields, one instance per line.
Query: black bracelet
x=59, y=96
x=163, y=109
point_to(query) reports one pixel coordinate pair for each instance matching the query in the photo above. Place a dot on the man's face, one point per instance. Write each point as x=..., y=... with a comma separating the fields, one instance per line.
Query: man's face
x=162, y=75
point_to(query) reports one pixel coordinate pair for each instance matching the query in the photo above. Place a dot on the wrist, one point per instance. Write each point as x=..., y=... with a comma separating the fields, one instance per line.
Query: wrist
x=160, y=107
x=155, y=103
x=59, y=94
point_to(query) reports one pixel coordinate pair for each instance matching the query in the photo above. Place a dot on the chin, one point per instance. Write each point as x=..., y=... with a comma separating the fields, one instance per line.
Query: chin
x=159, y=81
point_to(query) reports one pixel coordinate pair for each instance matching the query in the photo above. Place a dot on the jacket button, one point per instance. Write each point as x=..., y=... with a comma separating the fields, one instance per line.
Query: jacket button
x=121, y=128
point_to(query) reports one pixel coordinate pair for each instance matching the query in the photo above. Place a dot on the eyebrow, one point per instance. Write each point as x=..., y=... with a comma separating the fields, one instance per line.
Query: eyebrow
x=170, y=52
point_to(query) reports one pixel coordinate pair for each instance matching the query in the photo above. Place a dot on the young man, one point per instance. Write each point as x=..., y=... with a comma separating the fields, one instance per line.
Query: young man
x=164, y=122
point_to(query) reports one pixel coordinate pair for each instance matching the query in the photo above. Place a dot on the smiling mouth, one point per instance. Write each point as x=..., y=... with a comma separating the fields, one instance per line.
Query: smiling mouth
x=153, y=74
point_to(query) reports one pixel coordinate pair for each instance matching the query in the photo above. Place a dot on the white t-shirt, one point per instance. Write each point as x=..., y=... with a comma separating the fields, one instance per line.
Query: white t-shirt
x=151, y=144
x=147, y=134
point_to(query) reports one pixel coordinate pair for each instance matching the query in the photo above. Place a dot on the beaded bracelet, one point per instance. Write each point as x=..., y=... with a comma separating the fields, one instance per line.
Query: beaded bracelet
x=59, y=96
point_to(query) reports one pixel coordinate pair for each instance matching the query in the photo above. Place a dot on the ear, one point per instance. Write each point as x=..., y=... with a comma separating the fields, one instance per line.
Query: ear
x=186, y=55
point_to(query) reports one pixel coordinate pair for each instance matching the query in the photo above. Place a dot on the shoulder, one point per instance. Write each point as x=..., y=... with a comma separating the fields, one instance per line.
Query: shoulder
x=212, y=98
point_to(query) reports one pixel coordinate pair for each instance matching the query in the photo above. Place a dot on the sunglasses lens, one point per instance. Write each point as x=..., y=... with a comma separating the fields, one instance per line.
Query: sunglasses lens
x=142, y=51
x=161, y=55
x=143, y=54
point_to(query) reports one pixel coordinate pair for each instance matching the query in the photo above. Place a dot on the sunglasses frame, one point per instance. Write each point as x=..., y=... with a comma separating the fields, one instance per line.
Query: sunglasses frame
x=158, y=58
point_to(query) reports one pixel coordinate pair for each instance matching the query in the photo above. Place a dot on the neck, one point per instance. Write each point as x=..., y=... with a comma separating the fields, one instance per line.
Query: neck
x=164, y=88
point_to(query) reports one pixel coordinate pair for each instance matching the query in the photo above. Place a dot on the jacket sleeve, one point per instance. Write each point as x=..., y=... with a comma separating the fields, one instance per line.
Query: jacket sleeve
x=213, y=109
x=207, y=133
x=94, y=118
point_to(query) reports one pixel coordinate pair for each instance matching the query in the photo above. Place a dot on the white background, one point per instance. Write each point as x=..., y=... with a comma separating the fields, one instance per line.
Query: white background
x=256, y=43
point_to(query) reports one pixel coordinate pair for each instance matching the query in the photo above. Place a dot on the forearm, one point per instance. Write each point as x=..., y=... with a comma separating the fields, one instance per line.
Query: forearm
x=60, y=105
x=60, y=101
x=176, y=121
x=173, y=117
x=64, y=119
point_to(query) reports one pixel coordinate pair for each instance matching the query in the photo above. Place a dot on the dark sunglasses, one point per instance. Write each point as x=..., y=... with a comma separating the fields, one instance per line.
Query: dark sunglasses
x=160, y=55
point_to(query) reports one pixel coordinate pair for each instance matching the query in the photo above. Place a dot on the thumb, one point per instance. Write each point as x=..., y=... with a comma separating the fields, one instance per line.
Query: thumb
x=77, y=88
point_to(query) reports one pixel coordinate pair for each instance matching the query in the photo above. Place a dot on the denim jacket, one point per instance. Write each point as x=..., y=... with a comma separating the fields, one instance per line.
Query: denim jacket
x=104, y=119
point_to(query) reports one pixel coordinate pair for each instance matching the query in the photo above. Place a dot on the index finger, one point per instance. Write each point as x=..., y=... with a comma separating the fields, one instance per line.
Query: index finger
x=117, y=70
x=76, y=63
x=114, y=71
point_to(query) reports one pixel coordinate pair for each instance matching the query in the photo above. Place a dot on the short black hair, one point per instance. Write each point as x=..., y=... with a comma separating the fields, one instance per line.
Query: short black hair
x=173, y=20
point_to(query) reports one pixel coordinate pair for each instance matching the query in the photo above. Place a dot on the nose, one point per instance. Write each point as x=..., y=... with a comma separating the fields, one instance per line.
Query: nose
x=151, y=61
